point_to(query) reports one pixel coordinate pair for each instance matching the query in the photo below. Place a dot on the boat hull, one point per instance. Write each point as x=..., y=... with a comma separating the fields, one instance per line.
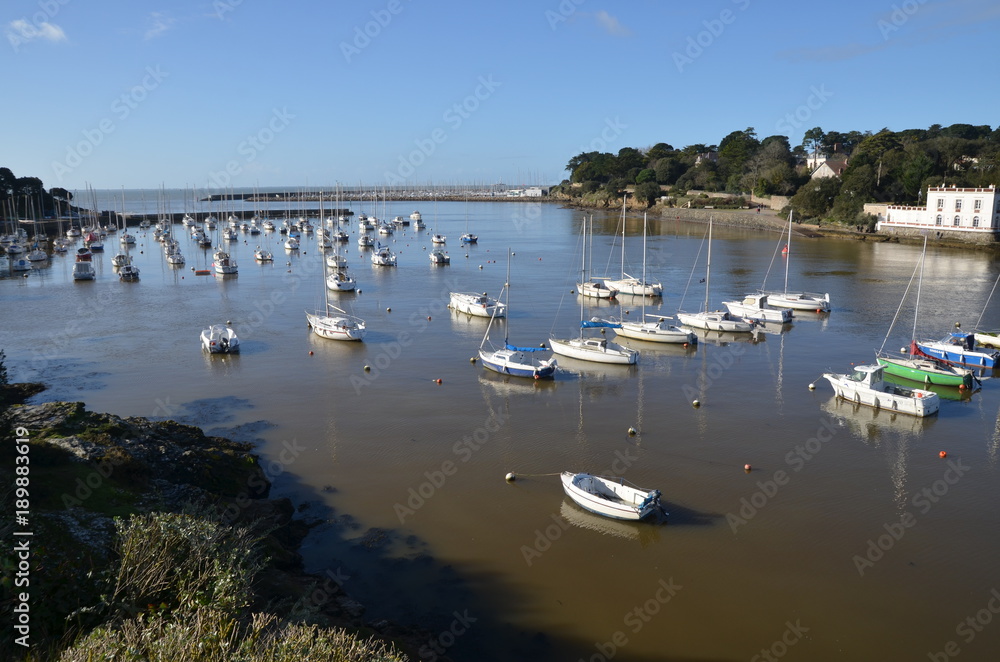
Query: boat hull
x=512, y=362
x=635, y=287
x=656, y=332
x=220, y=339
x=336, y=327
x=924, y=373
x=959, y=356
x=597, y=350
x=608, y=498
x=715, y=321
x=772, y=315
x=799, y=301
x=915, y=402
x=477, y=305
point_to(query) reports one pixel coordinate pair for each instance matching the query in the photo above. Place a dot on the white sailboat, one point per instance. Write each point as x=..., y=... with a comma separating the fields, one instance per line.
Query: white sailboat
x=334, y=323
x=629, y=284
x=477, y=305
x=599, y=350
x=797, y=300
x=596, y=288
x=657, y=329
x=510, y=359
x=717, y=320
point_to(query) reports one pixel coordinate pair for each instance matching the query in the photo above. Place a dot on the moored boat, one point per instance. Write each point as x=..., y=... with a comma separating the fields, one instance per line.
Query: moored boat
x=220, y=339
x=610, y=497
x=478, y=305
x=755, y=307
x=960, y=348
x=867, y=386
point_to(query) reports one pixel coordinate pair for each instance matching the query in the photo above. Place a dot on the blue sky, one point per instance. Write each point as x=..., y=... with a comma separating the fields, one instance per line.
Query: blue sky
x=213, y=93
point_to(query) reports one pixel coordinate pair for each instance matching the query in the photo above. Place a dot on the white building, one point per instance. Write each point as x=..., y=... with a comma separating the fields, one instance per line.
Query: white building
x=964, y=210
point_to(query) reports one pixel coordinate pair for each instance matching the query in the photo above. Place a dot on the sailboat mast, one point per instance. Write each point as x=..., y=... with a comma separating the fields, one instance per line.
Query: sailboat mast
x=624, y=198
x=788, y=247
x=916, y=308
x=708, y=268
x=506, y=285
x=643, y=263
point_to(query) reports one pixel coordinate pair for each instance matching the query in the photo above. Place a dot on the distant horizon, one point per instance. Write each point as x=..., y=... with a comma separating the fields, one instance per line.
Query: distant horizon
x=358, y=93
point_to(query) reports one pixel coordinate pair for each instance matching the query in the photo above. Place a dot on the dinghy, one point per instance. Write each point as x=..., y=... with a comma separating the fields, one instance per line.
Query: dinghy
x=610, y=497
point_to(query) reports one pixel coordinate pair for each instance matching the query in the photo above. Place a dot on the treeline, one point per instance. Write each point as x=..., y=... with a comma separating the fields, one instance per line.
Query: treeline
x=20, y=197
x=887, y=166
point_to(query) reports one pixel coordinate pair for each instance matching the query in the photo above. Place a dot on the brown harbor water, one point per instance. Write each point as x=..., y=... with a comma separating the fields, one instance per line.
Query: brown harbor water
x=850, y=539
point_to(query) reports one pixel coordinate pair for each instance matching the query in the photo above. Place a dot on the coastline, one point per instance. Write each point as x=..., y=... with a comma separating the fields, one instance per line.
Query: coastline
x=89, y=469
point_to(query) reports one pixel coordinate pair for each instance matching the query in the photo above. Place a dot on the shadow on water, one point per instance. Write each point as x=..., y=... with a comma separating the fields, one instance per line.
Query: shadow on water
x=461, y=606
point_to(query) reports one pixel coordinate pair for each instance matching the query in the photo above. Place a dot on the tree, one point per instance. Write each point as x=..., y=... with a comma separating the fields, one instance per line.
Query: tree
x=815, y=199
x=917, y=168
x=813, y=139
x=734, y=151
x=659, y=151
x=646, y=175
x=669, y=169
x=629, y=158
x=648, y=192
x=61, y=193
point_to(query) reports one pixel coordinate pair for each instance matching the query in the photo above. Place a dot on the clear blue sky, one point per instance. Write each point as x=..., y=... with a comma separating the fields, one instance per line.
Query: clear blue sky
x=174, y=92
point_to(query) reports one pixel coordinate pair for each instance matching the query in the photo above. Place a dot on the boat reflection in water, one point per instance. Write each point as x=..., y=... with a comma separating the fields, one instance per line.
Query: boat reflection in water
x=891, y=433
x=645, y=533
x=723, y=338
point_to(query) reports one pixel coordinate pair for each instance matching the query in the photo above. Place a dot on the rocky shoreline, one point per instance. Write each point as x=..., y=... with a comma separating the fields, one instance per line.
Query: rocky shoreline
x=88, y=468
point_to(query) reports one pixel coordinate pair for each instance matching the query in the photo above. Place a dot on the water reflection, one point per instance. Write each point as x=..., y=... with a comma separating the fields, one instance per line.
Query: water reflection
x=889, y=432
x=645, y=533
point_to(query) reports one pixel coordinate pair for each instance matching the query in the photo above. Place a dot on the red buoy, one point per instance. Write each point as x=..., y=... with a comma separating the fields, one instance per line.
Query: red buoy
x=942, y=455
x=747, y=468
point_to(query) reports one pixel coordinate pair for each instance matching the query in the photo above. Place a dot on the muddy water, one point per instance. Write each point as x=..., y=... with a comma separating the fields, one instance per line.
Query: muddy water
x=850, y=538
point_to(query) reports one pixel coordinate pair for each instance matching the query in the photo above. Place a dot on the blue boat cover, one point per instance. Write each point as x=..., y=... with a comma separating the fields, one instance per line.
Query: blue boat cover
x=599, y=324
x=525, y=349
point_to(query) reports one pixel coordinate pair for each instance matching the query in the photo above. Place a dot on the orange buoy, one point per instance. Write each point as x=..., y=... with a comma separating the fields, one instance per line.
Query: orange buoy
x=942, y=455
x=438, y=380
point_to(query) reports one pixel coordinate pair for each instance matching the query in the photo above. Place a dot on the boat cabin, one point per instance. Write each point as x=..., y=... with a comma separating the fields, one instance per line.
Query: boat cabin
x=869, y=375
